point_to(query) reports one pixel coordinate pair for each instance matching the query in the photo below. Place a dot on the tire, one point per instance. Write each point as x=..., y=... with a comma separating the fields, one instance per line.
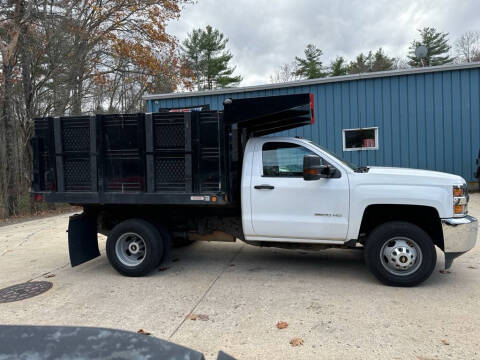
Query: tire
x=167, y=241
x=135, y=247
x=400, y=254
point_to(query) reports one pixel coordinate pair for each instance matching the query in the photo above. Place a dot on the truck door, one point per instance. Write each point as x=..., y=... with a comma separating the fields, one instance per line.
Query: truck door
x=286, y=206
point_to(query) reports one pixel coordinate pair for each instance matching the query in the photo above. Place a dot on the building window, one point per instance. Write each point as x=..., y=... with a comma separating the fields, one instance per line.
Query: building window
x=360, y=139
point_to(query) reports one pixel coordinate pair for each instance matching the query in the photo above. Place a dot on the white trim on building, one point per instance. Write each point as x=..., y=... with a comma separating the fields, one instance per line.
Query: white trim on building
x=428, y=69
x=374, y=147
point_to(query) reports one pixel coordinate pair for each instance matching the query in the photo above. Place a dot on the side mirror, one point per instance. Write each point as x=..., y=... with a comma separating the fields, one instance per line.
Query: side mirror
x=312, y=168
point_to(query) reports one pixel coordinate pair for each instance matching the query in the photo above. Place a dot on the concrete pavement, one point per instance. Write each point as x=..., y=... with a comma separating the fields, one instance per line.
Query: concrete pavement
x=329, y=299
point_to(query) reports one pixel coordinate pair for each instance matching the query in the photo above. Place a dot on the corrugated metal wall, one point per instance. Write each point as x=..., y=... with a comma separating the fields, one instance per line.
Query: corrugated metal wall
x=426, y=120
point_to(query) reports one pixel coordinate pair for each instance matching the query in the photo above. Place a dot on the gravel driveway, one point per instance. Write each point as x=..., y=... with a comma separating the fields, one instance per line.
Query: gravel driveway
x=329, y=299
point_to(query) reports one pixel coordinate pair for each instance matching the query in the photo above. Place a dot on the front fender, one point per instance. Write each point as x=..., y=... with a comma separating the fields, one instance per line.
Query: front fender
x=364, y=195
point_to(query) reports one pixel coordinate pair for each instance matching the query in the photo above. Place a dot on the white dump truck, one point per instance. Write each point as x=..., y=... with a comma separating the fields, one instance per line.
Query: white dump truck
x=151, y=180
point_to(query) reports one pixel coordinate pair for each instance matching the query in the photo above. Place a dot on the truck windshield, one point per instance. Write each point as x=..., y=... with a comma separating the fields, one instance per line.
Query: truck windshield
x=346, y=163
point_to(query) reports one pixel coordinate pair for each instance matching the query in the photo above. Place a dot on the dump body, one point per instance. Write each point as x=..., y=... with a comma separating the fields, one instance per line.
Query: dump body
x=166, y=157
x=172, y=157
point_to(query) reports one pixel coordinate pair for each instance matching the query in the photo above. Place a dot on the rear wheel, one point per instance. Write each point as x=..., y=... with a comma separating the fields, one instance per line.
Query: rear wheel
x=400, y=254
x=135, y=247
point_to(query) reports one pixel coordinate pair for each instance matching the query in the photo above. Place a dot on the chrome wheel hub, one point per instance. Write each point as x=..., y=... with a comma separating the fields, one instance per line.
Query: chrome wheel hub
x=133, y=248
x=401, y=256
x=130, y=249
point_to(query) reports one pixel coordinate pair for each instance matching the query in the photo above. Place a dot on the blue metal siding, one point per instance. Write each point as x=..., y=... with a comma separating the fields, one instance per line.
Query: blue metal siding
x=426, y=120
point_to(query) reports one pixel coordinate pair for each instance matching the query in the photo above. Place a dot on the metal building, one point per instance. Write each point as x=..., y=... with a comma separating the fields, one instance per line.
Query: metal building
x=426, y=118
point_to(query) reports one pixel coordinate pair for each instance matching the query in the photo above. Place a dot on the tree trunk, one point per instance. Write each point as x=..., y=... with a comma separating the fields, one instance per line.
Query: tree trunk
x=11, y=156
x=29, y=99
x=3, y=173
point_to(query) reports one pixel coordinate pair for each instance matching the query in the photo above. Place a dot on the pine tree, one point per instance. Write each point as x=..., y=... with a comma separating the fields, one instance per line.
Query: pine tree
x=362, y=64
x=204, y=51
x=381, y=62
x=311, y=67
x=372, y=62
x=192, y=54
x=338, y=67
x=437, y=46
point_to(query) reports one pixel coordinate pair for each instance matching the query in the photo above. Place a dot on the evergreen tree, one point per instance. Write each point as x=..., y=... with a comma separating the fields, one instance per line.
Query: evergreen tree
x=362, y=64
x=381, y=62
x=311, y=67
x=338, y=67
x=206, y=54
x=193, y=56
x=437, y=46
x=371, y=62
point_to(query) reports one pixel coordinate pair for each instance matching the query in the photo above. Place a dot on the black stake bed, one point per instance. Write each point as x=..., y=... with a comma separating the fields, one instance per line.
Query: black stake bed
x=168, y=157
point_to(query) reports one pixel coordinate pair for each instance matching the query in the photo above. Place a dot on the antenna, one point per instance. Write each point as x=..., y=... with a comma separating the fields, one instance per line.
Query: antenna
x=421, y=53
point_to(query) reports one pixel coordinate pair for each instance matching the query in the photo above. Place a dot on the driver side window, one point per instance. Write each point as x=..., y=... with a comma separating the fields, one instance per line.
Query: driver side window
x=282, y=159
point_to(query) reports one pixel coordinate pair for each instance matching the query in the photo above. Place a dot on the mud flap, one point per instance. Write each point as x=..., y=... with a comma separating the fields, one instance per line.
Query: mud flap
x=449, y=257
x=82, y=238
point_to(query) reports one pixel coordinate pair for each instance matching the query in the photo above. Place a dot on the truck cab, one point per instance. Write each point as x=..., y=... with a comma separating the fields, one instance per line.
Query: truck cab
x=279, y=204
x=285, y=199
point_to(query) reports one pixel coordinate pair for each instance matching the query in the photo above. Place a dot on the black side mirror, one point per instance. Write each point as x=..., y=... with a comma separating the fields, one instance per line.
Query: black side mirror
x=312, y=168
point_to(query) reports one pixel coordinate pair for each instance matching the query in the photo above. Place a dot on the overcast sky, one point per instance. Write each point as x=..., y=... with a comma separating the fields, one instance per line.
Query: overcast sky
x=267, y=33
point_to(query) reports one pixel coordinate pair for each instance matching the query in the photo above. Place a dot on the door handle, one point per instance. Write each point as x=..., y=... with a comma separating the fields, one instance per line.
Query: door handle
x=264, y=187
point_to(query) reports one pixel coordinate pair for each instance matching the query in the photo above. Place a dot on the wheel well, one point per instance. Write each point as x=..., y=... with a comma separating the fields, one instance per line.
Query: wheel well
x=425, y=217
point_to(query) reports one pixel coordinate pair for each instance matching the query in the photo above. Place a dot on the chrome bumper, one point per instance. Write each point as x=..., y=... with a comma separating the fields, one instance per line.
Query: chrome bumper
x=459, y=236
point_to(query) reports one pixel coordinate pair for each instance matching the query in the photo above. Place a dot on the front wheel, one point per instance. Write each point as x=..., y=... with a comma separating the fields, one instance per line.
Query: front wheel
x=400, y=254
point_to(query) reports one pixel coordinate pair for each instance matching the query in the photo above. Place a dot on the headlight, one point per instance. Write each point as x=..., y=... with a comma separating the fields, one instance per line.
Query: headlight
x=460, y=200
x=458, y=191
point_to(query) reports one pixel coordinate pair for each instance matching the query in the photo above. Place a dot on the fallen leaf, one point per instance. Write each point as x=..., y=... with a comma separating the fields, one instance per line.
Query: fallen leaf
x=445, y=342
x=282, y=324
x=444, y=272
x=143, y=332
x=163, y=268
x=296, y=342
x=49, y=275
x=201, y=317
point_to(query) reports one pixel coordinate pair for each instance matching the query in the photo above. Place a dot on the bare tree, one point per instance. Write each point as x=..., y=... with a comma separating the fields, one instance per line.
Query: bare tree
x=14, y=16
x=400, y=64
x=285, y=73
x=77, y=56
x=467, y=46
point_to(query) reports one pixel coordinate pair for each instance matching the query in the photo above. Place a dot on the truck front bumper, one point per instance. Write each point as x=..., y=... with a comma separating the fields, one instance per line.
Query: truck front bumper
x=459, y=236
